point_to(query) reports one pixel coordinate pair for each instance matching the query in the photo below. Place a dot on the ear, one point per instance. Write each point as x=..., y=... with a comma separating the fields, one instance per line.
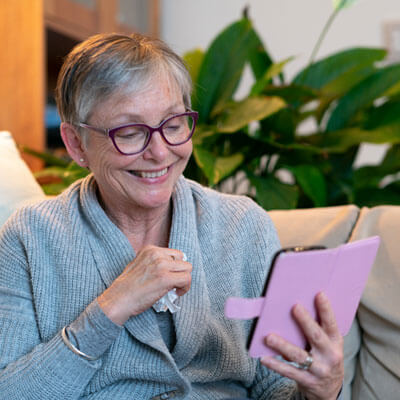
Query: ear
x=73, y=143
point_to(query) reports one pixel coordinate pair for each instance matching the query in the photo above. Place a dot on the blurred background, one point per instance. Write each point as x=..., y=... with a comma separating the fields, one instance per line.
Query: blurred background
x=36, y=35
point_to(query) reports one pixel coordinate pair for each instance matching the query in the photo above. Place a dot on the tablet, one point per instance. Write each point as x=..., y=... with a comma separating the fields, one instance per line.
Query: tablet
x=297, y=275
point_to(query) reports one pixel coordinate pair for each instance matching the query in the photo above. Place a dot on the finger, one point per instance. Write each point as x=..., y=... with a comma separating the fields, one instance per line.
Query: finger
x=313, y=332
x=327, y=316
x=303, y=378
x=177, y=255
x=286, y=349
x=183, y=283
x=181, y=266
x=180, y=263
x=160, y=256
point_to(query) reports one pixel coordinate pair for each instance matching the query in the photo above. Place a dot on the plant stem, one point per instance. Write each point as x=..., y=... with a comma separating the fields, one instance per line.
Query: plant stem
x=319, y=41
x=322, y=35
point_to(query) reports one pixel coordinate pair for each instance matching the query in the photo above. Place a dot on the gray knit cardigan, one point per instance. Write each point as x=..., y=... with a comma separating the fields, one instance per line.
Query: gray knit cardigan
x=57, y=256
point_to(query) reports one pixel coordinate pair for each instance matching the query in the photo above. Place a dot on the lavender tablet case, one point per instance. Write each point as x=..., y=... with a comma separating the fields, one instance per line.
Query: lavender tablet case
x=297, y=278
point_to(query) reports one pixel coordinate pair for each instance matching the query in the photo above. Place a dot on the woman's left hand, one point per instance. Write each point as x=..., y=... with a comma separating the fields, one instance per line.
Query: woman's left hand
x=324, y=377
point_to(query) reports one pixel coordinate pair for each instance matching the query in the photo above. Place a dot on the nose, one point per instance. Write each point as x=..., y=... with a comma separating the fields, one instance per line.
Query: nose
x=157, y=149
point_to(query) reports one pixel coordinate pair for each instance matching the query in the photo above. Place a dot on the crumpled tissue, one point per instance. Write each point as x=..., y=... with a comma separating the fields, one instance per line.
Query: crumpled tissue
x=169, y=300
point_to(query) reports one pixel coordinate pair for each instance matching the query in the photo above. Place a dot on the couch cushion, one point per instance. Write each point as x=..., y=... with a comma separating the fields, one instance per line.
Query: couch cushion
x=327, y=226
x=378, y=364
x=17, y=184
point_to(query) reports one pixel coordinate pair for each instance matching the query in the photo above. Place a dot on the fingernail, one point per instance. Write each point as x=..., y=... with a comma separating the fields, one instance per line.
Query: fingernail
x=322, y=296
x=270, y=340
x=298, y=308
x=265, y=359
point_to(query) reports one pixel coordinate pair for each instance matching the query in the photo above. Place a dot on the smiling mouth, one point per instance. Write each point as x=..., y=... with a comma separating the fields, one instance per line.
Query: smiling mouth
x=155, y=174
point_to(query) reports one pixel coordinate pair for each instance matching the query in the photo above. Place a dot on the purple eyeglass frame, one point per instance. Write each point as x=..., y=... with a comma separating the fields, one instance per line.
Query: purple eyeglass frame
x=110, y=132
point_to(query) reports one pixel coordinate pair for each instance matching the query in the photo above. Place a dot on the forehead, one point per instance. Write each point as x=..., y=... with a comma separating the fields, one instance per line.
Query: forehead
x=156, y=97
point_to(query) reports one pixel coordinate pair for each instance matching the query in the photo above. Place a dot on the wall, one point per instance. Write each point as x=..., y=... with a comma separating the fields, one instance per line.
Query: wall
x=287, y=27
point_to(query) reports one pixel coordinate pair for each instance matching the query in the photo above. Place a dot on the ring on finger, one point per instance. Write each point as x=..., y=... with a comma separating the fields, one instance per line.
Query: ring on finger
x=306, y=364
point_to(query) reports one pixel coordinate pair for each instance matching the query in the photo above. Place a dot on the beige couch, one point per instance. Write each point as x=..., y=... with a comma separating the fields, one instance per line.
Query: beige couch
x=372, y=348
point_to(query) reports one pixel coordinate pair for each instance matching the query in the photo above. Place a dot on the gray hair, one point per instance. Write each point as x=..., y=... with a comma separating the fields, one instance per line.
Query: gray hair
x=110, y=63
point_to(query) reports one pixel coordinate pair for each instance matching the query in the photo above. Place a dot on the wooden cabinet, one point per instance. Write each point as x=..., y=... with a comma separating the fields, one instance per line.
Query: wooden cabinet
x=79, y=19
x=22, y=83
x=35, y=35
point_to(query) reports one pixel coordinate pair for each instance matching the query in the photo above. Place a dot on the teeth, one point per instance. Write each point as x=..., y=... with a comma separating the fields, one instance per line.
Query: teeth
x=152, y=174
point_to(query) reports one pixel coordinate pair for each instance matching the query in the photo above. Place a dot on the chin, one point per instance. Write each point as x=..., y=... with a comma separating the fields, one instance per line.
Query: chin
x=156, y=200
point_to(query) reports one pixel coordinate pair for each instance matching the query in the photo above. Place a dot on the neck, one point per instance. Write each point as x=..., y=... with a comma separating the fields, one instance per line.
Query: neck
x=145, y=226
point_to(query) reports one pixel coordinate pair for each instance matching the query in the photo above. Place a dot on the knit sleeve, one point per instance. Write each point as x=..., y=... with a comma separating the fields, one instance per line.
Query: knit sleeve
x=269, y=385
x=45, y=370
x=93, y=332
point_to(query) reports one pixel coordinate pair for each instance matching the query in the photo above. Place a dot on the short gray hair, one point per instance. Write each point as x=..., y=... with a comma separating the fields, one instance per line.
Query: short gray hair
x=110, y=63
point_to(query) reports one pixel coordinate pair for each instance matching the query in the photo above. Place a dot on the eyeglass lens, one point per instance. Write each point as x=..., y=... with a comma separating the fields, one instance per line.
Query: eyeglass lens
x=133, y=138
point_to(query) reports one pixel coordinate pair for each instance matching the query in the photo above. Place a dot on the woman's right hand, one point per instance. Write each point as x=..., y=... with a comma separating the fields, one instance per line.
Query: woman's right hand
x=154, y=272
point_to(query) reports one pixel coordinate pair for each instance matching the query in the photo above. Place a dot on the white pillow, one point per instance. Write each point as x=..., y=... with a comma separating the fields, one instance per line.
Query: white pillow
x=17, y=184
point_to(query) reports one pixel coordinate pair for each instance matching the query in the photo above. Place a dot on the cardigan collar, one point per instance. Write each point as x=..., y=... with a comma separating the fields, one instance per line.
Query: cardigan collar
x=112, y=252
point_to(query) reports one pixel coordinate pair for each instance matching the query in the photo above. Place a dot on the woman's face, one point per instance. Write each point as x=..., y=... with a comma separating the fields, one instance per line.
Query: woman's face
x=145, y=180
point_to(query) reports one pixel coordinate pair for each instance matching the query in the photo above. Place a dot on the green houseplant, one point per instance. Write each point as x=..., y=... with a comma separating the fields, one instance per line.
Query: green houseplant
x=352, y=97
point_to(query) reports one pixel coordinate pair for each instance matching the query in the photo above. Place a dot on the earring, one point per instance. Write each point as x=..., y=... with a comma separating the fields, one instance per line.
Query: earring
x=81, y=160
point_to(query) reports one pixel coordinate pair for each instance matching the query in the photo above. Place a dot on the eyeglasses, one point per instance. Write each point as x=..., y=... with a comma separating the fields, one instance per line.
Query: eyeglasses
x=134, y=138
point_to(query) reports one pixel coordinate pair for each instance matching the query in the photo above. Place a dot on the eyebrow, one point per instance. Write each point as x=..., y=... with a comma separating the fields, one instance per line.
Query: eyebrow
x=130, y=117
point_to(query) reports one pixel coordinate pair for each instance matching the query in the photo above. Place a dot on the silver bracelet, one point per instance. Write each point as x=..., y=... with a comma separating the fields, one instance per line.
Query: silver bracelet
x=65, y=338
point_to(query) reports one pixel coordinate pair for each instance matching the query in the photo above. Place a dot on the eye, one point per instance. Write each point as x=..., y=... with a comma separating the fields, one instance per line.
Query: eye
x=131, y=132
x=175, y=124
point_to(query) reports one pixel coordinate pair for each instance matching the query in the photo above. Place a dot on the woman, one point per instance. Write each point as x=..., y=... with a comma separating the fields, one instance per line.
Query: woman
x=82, y=275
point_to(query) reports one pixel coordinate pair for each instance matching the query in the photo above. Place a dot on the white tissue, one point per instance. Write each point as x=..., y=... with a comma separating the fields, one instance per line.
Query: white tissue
x=168, y=301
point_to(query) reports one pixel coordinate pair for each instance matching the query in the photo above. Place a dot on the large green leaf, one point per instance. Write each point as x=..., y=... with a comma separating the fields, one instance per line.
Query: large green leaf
x=371, y=197
x=193, y=60
x=272, y=71
x=338, y=87
x=222, y=68
x=216, y=168
x=291, y=148
x=61, y=177
x=48, y=158
x=388, y=113
x=293, y=94
x=330, y=68
x=372, y=175
x=341, y=140
x=202, y=132
x=281, y=126
x=240, y=114
x=394, y=91
x=67, y=175
x=259, y=58
x=363, y=95
x=392, y=158
x=311, y=181
x=273, y=194
x=53, y=189
x=346, y=81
